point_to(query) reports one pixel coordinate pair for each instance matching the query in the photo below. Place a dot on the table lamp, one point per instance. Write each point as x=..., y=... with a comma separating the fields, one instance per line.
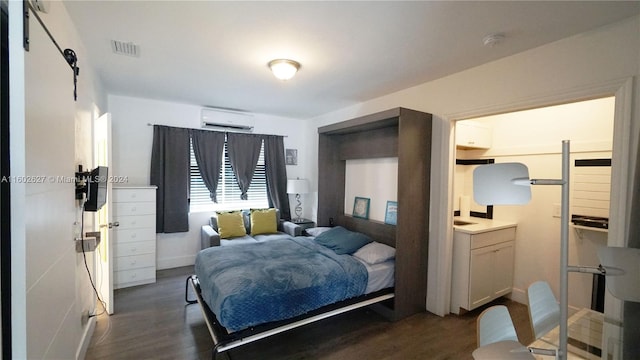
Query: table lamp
x=297, y=186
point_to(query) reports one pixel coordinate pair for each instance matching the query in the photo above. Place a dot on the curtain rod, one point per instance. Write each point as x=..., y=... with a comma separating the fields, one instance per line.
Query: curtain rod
x=150, y=124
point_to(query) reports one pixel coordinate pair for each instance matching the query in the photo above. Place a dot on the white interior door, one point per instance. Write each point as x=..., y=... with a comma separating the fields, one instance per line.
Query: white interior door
x=104, y=255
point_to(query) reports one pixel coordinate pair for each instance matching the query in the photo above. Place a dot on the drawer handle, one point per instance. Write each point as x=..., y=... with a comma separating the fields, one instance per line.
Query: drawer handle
x=133, y=262
x=133, y=276
x=133, y=236
x=133, y=208
x=134, y=249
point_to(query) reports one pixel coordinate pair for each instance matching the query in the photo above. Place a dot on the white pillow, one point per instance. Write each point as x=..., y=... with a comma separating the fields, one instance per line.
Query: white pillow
x=375, y=252
x=315, y=231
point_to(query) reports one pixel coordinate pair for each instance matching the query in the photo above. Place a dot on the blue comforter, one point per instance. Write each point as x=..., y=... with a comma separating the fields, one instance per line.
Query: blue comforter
x=250, y=284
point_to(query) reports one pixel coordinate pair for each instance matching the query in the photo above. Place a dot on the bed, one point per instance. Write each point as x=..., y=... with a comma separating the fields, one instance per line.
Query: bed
x=250, y=291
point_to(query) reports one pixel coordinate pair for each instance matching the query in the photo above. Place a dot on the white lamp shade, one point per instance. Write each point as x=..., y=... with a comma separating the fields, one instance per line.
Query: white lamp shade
x=623, y=271
x=297, y=186
x=501, y=184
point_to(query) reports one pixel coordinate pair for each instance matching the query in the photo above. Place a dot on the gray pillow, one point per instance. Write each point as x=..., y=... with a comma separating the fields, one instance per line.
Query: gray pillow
x=342, y=241
x=315, y=231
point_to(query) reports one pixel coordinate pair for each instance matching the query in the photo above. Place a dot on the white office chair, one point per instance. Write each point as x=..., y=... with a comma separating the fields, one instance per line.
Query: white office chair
x=544, y=311
x=494, y=324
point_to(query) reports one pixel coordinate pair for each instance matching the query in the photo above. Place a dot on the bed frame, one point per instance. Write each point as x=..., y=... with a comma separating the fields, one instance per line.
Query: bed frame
x=223, y=340
x=402, y=133
x=406, y=135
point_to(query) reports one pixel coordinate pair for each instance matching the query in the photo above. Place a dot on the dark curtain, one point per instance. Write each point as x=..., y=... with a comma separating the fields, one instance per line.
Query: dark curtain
x=208, y=147
x=170, y=173
x=276, y=170
x=244, y=151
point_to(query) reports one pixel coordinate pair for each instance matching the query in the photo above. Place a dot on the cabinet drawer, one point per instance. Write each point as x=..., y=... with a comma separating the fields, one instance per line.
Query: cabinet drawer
x=135, y=248
x=137, y=276
x=136, y=222
x=129, y=235
x=134, y=195
x=134, y=208
x=134, y=262
x=492, y=237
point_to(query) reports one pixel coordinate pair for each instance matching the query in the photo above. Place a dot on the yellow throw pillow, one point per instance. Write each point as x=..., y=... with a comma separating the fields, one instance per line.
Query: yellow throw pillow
x=263, y=221
x=230, y=224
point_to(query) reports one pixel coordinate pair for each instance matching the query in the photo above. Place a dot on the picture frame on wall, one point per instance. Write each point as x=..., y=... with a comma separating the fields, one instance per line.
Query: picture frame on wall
x=361, y=207
x=391, y=214
x=291, y=156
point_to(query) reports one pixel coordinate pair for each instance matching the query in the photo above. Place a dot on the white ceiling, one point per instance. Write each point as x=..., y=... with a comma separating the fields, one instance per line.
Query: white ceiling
x=215, y=53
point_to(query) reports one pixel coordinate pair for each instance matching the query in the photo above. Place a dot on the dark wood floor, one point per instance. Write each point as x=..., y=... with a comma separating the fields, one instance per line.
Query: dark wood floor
x=153, y=322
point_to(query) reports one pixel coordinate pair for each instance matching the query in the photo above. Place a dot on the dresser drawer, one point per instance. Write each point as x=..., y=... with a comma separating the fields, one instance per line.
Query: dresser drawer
x=129, y=235
x=134, y=277
x=134, y=195
x=134, y=248
x=133, y=208
x=134, y=262
x=136, y=222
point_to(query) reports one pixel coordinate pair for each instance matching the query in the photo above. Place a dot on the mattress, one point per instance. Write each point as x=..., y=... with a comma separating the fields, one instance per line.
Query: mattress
x=381, y=275
x=251, y=284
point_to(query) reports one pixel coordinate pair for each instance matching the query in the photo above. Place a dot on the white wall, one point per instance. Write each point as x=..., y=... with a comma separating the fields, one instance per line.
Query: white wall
x=375, y=179
x=592, y=64
x=534, y=137
x=51, y=291
x=132, y=141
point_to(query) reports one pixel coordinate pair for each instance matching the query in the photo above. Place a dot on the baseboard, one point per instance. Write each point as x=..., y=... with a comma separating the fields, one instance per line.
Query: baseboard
x=174, y=262
x=519, y=296
x=81, y=353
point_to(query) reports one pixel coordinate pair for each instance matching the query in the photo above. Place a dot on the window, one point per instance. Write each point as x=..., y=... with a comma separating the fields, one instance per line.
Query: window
x=228, y=192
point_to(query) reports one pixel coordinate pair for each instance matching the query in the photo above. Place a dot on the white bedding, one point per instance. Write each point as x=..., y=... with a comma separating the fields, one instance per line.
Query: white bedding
x=381, y=275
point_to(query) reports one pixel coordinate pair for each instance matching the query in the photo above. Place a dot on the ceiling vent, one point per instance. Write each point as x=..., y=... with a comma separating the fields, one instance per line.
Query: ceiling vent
x=125, y=48
x=224, y=120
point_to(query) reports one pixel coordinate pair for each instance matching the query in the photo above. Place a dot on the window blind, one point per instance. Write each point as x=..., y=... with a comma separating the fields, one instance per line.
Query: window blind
x=228, y=192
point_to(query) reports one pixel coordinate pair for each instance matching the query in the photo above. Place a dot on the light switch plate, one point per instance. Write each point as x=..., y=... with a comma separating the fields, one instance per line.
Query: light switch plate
x=556, y=210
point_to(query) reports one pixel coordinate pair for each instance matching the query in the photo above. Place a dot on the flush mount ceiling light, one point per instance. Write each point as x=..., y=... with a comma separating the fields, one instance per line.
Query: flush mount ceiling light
x=284, y=69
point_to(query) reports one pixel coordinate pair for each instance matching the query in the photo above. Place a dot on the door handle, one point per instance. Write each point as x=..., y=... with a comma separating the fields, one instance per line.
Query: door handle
x=112, y=225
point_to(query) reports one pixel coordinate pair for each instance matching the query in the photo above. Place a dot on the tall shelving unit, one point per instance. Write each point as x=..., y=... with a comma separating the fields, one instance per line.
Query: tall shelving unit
x=401, y=133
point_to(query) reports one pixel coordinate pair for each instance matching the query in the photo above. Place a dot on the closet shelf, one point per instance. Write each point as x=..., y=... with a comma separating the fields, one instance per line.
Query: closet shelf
x=589, y=228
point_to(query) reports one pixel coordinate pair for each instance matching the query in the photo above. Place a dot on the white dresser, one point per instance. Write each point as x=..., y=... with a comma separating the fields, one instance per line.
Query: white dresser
x=134, y=238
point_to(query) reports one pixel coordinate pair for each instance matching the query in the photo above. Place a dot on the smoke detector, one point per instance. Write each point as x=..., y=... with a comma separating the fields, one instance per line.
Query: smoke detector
x=493, y=39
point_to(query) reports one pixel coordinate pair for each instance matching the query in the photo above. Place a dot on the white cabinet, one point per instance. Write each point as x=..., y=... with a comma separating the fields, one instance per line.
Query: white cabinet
x=472, y=135
x=482, y=267
x=134, y=260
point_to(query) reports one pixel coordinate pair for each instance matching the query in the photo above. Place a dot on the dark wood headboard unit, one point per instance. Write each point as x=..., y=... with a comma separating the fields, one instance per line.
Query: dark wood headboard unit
x=401, y=133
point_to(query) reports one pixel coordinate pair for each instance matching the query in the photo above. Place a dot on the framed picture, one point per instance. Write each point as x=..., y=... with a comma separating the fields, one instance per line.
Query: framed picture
x=291, y=156
x=391, y=215
x=361, y=207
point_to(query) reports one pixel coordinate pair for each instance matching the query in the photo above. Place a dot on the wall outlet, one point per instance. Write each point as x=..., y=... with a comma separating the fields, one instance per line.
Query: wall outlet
x=557, y=210
x=85, y=317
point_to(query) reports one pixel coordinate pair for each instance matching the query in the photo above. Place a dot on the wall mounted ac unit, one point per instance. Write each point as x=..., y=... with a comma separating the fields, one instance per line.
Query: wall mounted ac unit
x=223, y=120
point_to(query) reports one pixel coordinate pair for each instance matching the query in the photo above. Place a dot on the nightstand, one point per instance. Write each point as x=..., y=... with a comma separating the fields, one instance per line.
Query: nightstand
x=304, y=223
